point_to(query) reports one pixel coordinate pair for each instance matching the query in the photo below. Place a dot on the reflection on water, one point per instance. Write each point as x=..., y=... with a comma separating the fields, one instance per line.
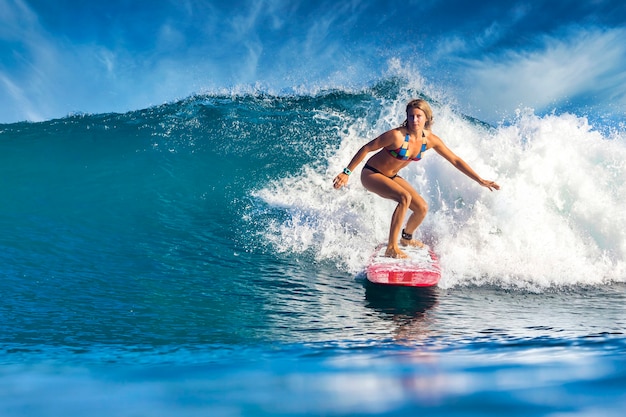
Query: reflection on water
x=400, y=300
x=406, y=307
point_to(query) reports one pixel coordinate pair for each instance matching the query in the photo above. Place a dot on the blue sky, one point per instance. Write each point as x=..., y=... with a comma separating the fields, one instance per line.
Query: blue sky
x=490, y=57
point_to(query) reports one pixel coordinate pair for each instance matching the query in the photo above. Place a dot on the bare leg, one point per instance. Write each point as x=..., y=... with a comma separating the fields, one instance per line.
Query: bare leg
x=393, y=190
x=393, y=251
x=419, y=208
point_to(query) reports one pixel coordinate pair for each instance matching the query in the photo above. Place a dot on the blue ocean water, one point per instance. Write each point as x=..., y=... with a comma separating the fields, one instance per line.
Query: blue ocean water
x=193, y=259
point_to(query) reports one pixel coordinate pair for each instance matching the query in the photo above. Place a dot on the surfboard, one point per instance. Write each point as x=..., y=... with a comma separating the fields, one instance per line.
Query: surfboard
x=420, y=269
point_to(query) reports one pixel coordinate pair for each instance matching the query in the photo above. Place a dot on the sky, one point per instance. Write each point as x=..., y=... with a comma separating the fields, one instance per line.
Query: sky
x=60, y=57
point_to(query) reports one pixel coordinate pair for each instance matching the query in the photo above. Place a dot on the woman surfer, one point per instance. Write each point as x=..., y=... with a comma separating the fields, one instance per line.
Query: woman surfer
x=397, y=148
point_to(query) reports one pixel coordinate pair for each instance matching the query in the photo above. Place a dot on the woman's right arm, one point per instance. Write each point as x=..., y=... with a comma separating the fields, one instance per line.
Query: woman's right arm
x=383, y=140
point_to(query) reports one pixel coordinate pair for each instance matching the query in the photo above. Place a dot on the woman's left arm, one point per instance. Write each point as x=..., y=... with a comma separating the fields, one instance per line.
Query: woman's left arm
x=461, y=165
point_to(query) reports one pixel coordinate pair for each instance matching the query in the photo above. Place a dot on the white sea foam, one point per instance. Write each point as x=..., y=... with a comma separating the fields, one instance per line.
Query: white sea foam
x=557, y=221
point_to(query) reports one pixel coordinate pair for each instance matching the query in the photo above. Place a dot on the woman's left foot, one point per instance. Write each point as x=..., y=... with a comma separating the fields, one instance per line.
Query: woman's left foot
x=412, y=242
x=407, y=240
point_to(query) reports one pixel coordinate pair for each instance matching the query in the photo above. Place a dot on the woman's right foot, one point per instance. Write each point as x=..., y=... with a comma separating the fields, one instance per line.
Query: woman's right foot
x=395, y=252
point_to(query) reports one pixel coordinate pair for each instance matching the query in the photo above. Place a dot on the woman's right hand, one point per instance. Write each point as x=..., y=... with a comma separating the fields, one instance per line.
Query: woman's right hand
x=340, y=180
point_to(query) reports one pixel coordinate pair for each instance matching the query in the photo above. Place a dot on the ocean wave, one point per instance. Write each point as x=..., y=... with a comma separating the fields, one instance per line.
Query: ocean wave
x=265, y=163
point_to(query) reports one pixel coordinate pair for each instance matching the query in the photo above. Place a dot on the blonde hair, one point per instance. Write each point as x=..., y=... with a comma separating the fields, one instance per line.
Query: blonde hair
x=423, y=106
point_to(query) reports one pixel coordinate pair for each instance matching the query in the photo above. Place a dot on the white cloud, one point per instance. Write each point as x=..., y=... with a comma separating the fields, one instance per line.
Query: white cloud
x=584, y=63
x=283, y=44
x=25, y=71
x=16, y=18
x=45, y=76
x=18, y=98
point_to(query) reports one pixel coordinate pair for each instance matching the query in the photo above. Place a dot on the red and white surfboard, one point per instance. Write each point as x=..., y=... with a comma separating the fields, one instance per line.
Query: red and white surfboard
x=420, y=269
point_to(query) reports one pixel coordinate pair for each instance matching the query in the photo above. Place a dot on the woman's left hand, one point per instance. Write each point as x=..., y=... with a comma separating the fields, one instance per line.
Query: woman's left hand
x=490, y=184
